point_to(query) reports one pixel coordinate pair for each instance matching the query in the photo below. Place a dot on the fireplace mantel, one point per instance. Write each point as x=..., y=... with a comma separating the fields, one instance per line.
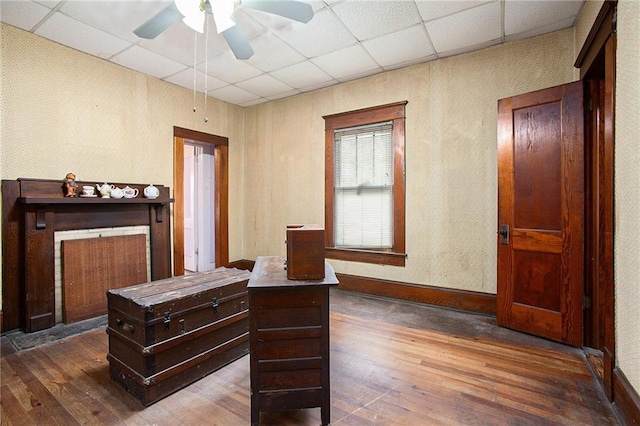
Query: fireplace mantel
x=33, y=210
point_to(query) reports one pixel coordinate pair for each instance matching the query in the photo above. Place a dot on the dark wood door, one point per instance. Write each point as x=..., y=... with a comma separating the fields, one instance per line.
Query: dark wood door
x=540, y=213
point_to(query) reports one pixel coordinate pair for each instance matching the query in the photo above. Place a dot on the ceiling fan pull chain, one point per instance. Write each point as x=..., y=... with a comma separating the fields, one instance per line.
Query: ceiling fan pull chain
x=195, y=72
x=206, y=64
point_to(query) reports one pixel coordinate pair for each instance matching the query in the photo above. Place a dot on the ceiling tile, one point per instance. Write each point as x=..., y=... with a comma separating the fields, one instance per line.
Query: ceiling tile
x=118, y=18
x=227, y=68
x=147, y=62
x=371, y=19
x=347, y=62
x=271, y=53
x=467, y=31
x=264, y=86
x=283, y=95
x=302, y=75
x=323, y=34
x=524, y=16
x=254, y=102
x=400, y=47
x=80, y=36
x=233, y=95
x=185, y=79
x=430, y=9
x=559, y=25
x=22, y=14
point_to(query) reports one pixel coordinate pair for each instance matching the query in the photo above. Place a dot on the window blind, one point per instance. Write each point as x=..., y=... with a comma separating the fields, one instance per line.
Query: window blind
x=363, y=184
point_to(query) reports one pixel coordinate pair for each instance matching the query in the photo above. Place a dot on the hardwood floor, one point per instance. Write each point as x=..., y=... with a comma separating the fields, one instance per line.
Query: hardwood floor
x=392, y=363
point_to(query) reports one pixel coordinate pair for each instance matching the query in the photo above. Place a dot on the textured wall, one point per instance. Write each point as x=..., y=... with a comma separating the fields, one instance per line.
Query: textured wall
x=451, y=157
x=63, y=110
x=627, y=192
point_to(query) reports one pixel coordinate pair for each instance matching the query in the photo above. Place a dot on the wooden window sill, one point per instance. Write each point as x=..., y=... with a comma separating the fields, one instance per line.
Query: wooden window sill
x=366, y=256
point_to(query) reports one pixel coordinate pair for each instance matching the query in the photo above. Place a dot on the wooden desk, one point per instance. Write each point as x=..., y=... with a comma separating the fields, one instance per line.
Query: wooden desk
x=289, y=340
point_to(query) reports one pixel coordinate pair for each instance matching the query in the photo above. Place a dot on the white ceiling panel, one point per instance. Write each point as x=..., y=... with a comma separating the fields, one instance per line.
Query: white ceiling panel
x=406, y=46
x=185, y=79
x=430, y=9
x=304, y=74
x=466, y=28
x=348, y=62
x=233, y=95
x=271, y=53
x=22, y=14
x=148, y=62
x=525, y=16
x=568, y=22
x=323, y=34
x=372, y=19
x=345, y=39
x=283, y=95
x=264, y=86
x=227, y=68
x=80, y=36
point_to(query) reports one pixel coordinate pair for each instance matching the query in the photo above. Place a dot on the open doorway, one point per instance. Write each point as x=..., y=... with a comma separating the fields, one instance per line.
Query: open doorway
x=199, y=207
x=219, y=214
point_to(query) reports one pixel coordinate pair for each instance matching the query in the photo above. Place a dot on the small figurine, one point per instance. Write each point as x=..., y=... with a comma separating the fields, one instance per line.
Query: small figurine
x=70, y=187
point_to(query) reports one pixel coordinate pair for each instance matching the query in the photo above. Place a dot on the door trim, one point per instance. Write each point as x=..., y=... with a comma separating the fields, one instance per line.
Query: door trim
x=597, y=62
x=221, y=196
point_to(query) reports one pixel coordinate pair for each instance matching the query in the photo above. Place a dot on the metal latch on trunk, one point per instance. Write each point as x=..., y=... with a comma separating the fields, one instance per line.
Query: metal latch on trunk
x=214, y=304
x=167, y=320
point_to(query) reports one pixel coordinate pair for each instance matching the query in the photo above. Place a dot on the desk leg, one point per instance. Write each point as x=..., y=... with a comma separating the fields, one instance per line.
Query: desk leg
x=255, y=415
x=325, y=413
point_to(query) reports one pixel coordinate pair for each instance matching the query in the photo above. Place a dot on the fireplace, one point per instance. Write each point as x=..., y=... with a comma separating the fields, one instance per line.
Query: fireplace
x=34, y=210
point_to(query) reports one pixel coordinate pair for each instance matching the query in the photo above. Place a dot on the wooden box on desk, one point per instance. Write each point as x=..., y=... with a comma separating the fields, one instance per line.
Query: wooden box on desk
x=166, y=334
x=305, y=252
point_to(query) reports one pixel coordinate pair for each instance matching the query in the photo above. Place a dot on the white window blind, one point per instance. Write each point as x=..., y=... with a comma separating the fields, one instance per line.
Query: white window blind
x=364, y=187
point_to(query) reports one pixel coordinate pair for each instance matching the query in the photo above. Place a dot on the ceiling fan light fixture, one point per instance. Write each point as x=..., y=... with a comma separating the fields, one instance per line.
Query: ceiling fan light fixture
x=222, y=12
x=195, y=22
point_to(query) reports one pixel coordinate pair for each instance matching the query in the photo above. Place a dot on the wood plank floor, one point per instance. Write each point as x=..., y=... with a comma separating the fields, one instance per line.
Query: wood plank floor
x=392, y=363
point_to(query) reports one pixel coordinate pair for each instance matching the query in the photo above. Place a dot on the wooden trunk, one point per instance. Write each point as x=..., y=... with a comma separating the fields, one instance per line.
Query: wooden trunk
x=166, y=334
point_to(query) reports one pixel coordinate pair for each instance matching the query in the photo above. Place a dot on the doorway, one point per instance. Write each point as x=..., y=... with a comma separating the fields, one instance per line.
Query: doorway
x=220, y=204
x=199, y=205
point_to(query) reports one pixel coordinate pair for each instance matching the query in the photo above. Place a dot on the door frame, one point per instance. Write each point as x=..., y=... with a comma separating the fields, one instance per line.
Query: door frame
x=221, y=195
x=597, y=64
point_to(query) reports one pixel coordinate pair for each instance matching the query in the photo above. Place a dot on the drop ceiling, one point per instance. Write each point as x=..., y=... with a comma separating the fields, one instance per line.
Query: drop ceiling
x=345, y=40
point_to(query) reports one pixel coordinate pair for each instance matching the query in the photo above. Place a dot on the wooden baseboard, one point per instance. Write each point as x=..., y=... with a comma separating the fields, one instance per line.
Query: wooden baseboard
x=626, y=401
x=463, y=300
x=445, y=297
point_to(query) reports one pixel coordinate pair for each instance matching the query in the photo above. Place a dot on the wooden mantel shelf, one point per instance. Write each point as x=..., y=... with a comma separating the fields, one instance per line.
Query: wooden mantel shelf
x=92, y=200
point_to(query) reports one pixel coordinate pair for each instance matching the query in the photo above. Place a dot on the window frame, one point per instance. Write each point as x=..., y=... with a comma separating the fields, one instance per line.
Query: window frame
x=395, y=113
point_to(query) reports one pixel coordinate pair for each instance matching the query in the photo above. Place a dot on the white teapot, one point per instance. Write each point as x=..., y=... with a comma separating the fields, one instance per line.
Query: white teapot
x=130, y=192
x=116, y=192
x=104, y=190
x=151, y=192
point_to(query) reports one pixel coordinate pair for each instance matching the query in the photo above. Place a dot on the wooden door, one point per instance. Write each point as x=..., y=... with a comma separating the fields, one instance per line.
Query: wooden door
x=540, y=213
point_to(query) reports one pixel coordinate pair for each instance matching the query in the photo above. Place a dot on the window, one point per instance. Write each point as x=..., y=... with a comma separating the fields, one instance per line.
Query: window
x=364, y=185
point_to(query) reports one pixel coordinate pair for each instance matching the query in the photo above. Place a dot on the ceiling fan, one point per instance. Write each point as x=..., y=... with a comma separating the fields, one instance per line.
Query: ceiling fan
x=192, y=12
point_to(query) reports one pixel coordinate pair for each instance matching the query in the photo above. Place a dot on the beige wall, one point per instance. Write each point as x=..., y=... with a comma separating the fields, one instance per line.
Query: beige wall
x=451, y=158
x=65, y=111
x=627, y=192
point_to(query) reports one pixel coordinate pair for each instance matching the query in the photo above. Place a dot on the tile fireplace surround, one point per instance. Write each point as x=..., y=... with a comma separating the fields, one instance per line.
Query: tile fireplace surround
x=33, y=210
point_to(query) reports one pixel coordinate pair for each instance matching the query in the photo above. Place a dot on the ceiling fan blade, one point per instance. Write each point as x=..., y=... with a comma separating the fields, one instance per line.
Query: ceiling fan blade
x=292, y=9
x=160, y=22
x=237, y=41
